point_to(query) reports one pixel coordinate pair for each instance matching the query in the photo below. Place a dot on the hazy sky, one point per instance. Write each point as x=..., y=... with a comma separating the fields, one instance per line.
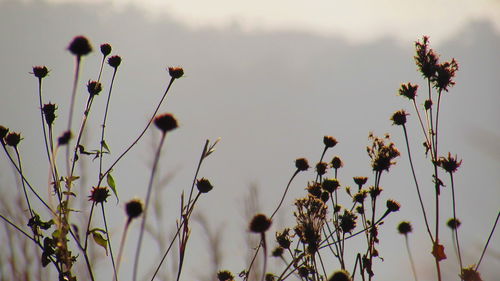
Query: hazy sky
x=358, y=20
x=271, y=93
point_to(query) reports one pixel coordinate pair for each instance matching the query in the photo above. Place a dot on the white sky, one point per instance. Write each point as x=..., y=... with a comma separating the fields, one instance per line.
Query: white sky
x=357, y=20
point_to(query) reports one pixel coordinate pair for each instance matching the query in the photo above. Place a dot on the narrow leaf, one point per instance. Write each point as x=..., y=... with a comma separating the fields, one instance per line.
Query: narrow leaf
x=112, y=185
x=105, y=146
x=100, y=241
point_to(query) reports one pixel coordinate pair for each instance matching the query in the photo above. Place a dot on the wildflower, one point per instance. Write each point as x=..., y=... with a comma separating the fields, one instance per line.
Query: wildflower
x=114, y=61
x=382, y=154
x=310, y=217
x=426, y=59
x=94, y=88
x=64, y=138
x=12, y=139
x=347, y=221
x=203, y=185
x=470, y=274
x=80, y=46
x=283, y=238
x=329, y=141
x=445, y=72
x=392, y=205
x=302, y=164
x=408, y=90
x=175, y=72
x=165, y=122
x=133, y=208
x=99, y=194
x=360, y=196
x=405, y=227
x=453, y=223
x=325, y=196
x=449, y=164
x=40, y=71
x=260, y=223
x=49, y=110
x=105, y=49
x=278, y=251
x=3, y=132
x=399, y=118
x=427, y=104
x=225, y=275
x=321, y=168
x=336, y=162
x=314, y=189
x=360, y=181
x=330, y=185
x=340, y=275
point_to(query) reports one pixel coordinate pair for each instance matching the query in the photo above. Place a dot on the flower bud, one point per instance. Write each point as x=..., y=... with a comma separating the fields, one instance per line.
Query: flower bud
x=40, y=71
x=12, y=139
x=165, y=122
x=105, y=49
x=260, y=223
x=175, y=72
x=133, y=208
x=329, y=141
x=203, y=185
x=80, y=46
x=114, y=61
x=302, y=164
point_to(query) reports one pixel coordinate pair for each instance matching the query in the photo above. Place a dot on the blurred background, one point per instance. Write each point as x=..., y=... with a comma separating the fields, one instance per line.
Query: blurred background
x=270, y=78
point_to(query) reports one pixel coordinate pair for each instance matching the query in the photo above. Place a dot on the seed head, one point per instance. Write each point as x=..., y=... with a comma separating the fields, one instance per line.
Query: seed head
x=80, y=46
x=347, y=221
x=360, y=196
x=453, y=223
x=225, y=275
x=399, y=117
x=302, y=164
x=49, y=111
x=99, y=194
x=337, y=208
x=3, y=132
x=64, y=138
x=329, y=141
x=427, y=60
x=445, y=73
x=408, y=90
x=114, y=61
x=303, y=271
x=392, y=205
x=40, y=71
x=283, y=238
x=94, y=88
x=165, y=122
x=405, y=227
x=321, y=168
x=337, y=162
x=12, y=139
x=470, y=274
x=340, y=275
x=314, y=188
x=260, y=223
x=203, y=185
x=133, y=208
x=450, y=164
x=427, y=104
x=382, y=154
x=278, y=252
x=105, y=49
x=330, y=185
x=176, y=72
x=325, y=196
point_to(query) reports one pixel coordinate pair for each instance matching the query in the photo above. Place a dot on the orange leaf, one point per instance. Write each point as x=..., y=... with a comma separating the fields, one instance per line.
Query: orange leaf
x=438, y=252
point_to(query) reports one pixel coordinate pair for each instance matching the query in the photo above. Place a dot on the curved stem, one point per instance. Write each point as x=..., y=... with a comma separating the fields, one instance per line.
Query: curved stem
x=109, y=240
x=455, y=229
x=22, y=182
x=104, y=123
x=488, y=241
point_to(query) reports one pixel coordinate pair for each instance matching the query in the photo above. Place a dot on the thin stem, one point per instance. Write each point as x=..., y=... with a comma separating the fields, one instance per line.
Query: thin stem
x=412, y=263
x=120, y=252
x=421, y=123
x=285, y=192
x=109, y=240
x=488, y=241
x=104, y=123
x=455, y=229
x=264, y=246
x=148, y=197
x=72, y=108
x=22, y=181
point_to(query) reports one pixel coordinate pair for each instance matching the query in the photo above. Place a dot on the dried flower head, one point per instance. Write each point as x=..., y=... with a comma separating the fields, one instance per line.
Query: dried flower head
x=40, y=71
x=336, y=162
x=360, y=181
x=269, y=277
x=340, y=275
x=427, y=104
x=303, y=272
x=165, y=122
x=105, y=49
x=450, y=164
x=329, y=141
x=133, y=208
x=114, y=61
x=225, y=275
x=405, y=227
x=99, y=194
x=302, y=164
x=321, y=168
x=348, y=221
x=310, y=217
x=203, y=185
x=337, y=208
x=283, y=238
x=445, y=73
x=360, y=196
x=49, y=111
x=470, y=274
x=399, y=117
x=330, y=185
x=176, y=72
x=408, y=90
x=360, y=209
x=64, y=138
x=314, y=188
x=453, y=223
x=3, y=132
x=260, y=223
x=325, y=196
x=382, y=154
x=80, y=46
x=12, y=139
x=426, y=59
x=94, y=88
x=277, y=252
x=392, y=205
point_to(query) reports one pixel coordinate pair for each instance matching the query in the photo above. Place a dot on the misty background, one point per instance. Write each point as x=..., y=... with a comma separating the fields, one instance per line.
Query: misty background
x=271, y=95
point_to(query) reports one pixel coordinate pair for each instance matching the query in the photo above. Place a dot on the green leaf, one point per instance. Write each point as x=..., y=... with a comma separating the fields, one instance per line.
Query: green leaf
x=100, y=241
x=105, y=146
x=97, y=230
x=112, y=185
